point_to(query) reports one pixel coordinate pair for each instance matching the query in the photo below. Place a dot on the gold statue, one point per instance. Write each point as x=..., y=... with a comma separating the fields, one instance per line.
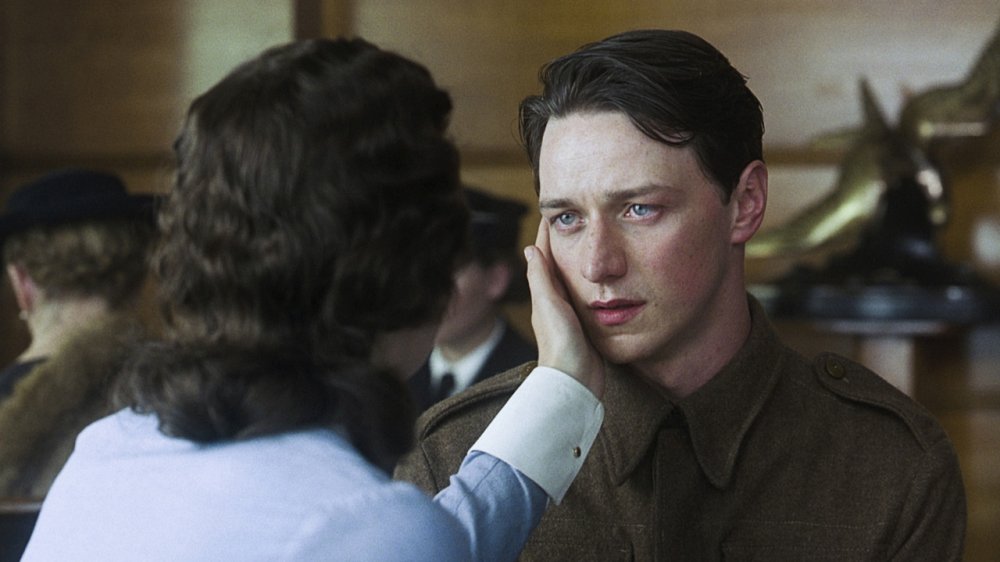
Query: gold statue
x=966, y=109
x=839, y=218
x=882, y=159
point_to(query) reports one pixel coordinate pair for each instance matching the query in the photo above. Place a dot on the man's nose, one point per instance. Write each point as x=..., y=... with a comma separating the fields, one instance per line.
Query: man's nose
x=605, y=259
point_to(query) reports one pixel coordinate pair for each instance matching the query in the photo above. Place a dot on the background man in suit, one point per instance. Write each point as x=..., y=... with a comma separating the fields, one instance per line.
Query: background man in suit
x=475, y=340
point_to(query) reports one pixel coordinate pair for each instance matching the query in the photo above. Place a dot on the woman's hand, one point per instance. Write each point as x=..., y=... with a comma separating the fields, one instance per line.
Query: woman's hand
x=561, y=341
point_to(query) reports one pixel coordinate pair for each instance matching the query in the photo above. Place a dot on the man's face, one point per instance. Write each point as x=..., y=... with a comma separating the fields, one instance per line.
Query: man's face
x=640, y=237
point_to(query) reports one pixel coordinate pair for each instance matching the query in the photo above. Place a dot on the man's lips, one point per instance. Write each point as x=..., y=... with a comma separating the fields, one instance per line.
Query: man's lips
x=616, y=312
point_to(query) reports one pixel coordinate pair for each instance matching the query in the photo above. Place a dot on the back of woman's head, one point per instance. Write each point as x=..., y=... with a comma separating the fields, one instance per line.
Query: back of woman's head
x=81, y=260
x=315, y=206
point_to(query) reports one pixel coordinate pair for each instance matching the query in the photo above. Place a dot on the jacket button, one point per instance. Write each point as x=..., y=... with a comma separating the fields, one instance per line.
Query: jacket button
x=577, y=452
x=835, y=369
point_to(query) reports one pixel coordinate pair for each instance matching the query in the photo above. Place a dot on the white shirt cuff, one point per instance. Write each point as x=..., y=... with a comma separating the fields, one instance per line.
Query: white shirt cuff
x=545, y=430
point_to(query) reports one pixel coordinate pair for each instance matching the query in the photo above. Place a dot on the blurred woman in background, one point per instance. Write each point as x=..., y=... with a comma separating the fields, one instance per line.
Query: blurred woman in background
x=75, y=246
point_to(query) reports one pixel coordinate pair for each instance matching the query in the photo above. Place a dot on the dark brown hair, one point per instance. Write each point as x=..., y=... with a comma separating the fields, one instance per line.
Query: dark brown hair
x=316, y=204
x=674, y=86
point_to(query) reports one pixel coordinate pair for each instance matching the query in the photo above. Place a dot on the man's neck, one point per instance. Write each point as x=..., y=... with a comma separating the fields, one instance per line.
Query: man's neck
x=53, y=323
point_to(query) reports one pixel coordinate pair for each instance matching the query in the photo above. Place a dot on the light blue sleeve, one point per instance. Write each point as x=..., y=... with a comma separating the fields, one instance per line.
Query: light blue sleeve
x=399, y=524
x=545, y=430
x=497, y=506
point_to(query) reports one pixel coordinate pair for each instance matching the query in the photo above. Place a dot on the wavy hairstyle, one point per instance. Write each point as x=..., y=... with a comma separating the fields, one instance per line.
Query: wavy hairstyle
x=674, y=86
x=316, y=204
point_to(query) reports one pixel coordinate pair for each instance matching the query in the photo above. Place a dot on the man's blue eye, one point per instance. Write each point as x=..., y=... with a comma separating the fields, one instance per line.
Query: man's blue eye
x=565, y=219
x=641, y=210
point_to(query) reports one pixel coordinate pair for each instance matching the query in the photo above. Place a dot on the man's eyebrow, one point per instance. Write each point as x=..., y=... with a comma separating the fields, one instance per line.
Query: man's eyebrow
x=613, y=196
x=544, y=204
x=609, y=196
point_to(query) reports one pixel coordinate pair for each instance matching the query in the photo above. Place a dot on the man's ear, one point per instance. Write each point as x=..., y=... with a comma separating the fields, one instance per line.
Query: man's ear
x=749, y=200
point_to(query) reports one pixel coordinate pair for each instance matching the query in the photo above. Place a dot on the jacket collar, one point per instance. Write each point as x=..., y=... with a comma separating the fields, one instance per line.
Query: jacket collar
x=717, y=416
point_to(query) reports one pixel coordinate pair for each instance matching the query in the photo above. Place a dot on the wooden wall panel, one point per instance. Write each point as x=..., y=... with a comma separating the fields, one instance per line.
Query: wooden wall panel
x=89, y=78
x=803, y=57
x=105, y=83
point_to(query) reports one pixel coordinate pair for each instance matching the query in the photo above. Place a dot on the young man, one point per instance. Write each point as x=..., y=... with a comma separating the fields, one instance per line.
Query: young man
x=475, y=341
x=719, y=442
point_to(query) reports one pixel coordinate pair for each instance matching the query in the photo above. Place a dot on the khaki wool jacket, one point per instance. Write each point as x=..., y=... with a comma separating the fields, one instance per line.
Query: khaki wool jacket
x=776, y=458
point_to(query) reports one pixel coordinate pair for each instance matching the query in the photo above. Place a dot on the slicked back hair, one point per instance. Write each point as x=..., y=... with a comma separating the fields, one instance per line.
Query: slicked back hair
x=674, y=86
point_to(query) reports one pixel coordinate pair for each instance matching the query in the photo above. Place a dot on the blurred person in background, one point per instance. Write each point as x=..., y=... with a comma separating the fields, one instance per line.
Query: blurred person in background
x=476, y=341
x=75, y=245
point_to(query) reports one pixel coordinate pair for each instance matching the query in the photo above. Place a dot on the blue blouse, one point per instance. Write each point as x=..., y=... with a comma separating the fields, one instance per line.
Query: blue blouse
x=130, y=493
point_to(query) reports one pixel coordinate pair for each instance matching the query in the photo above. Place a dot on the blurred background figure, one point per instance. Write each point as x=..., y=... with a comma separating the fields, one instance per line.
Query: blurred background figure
x=475, y=340
x=74, y=245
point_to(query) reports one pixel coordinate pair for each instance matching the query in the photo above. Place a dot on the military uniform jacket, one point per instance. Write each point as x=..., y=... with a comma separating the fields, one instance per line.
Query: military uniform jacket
x=775, y=458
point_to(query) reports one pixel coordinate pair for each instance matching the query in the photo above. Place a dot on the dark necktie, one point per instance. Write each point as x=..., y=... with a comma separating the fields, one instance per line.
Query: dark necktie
x=444, y=387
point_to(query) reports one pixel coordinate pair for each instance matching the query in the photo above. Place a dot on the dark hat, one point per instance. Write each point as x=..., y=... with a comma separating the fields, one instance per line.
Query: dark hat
x=68, y=196
x=495, y=221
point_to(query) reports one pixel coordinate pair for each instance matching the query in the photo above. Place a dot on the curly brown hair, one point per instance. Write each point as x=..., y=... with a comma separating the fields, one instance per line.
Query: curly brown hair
x=316, y=205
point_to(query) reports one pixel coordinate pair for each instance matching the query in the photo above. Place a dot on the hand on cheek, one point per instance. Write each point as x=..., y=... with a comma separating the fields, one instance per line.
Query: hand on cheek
x=562, y=343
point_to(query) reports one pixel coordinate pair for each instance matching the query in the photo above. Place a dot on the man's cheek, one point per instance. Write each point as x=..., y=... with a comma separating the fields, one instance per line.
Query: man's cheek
x=562, y=270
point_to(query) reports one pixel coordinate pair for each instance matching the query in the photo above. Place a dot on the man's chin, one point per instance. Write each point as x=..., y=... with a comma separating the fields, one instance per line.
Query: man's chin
x=618, y=349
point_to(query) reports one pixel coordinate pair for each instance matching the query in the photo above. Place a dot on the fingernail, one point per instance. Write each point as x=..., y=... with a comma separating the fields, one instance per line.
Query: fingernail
x=529, y=252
